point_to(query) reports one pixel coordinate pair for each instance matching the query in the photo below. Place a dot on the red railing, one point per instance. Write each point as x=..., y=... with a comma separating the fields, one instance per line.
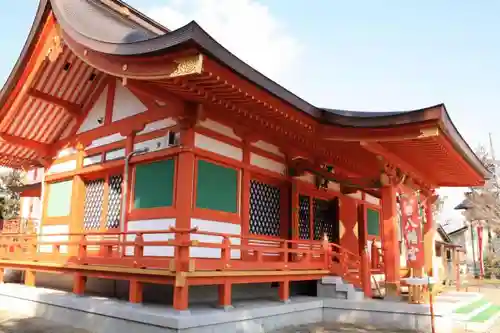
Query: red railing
x=134, y=255
x=208, y=250
x=18, y=226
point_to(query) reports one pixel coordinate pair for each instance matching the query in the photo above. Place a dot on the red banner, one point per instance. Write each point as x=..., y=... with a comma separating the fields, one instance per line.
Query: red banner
x=412, y=229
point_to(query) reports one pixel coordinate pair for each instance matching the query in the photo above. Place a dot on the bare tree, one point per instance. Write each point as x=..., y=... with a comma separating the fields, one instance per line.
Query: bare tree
x=482, y=204
x=10, y=200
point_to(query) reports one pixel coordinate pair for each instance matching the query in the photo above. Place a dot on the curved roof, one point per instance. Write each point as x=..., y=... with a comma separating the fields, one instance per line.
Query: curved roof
x=110, y=27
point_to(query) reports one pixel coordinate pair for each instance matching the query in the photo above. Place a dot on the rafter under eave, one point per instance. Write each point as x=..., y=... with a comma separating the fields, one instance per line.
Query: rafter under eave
x=41, y=149
x=72, y=108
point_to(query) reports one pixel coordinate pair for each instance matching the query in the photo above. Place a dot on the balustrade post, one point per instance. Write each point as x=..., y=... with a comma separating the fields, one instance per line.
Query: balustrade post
x=326, y=249
x=138, y=249
x=226, y=252
x=82, y=249
x=284, y=254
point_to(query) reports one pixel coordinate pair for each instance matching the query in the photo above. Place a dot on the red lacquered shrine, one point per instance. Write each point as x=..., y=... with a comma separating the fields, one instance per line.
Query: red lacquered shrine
x=158, y=157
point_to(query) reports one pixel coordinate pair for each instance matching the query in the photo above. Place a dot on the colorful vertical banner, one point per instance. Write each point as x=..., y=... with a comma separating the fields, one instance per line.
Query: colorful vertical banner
x=412, y=228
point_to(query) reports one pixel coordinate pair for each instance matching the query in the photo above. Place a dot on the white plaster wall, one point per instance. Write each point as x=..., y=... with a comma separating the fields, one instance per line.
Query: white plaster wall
x=36, y=213
x=267, y=163
x=268, y=147
x=307, y=177
x=62, y=229
x=356, y=195
x=106, y=140
x=219, y=128
x=158, y=125
x=333, y=186
x=153, y=144
x=62, y=167
x=206, y=143
x=66, y=152
x=115, y=154
x=155, y=224
x=371, y=199
x=97, y=112
x=90, y=160
x=25, y=207
x=126, y=104
x=218, y=227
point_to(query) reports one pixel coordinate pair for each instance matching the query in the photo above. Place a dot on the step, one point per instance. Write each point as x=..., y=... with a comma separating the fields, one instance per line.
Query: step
x=484, y=320
x=467, y=316
x=471, y=307
x=487, y=314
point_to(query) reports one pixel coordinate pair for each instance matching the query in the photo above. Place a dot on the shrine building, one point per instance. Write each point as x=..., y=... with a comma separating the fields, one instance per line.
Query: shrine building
x=158, y=159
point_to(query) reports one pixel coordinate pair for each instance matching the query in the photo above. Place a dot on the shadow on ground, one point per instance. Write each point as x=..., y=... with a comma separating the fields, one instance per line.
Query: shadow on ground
x=15, y=324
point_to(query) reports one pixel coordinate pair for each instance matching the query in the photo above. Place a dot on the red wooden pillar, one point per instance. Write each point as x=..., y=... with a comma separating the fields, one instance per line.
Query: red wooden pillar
x=29, y=278
x=284, y=290
x=79, y=281
x=245, y=197
x=225, y=295
x=365, y=271
x=390, y=244
x=184, y=203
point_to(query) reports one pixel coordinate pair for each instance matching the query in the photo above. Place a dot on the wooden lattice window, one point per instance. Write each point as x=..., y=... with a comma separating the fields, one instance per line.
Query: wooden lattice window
x=94, y=199
x=264, y=209
x=103, y=198
x=114, y=201
x=304, y=217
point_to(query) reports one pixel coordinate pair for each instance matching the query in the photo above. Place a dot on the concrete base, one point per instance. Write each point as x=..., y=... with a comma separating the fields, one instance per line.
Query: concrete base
x=103, y=315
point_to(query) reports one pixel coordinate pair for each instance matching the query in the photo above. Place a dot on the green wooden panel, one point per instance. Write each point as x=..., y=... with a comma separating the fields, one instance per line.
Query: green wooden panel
x=59, y=202
x=217, y=187
x=154, y=184
x=373, y=222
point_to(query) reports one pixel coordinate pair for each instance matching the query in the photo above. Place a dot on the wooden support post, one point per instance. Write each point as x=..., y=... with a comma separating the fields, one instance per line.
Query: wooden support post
x=365, y=272
x=30, y=278
x=79, y=281
x=184, y=194
x=284, y=291
x=2, y=273
x=444, y=262
x=225, y=295
x=181, y=298
x=245, y=198
x=429, y=236
x=135, y=291
x=390, y=242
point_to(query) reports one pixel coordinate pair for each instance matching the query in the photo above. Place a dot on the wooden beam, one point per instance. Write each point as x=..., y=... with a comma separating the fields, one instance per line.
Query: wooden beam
x=72, y=108
x=392, y=158
x=40, y=148
x=383, y=136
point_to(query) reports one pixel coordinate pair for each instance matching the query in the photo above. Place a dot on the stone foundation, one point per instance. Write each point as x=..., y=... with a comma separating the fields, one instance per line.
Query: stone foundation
x=103, y=315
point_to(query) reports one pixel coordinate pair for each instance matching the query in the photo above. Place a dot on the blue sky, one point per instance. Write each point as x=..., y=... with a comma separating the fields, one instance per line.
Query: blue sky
x=368, y=55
